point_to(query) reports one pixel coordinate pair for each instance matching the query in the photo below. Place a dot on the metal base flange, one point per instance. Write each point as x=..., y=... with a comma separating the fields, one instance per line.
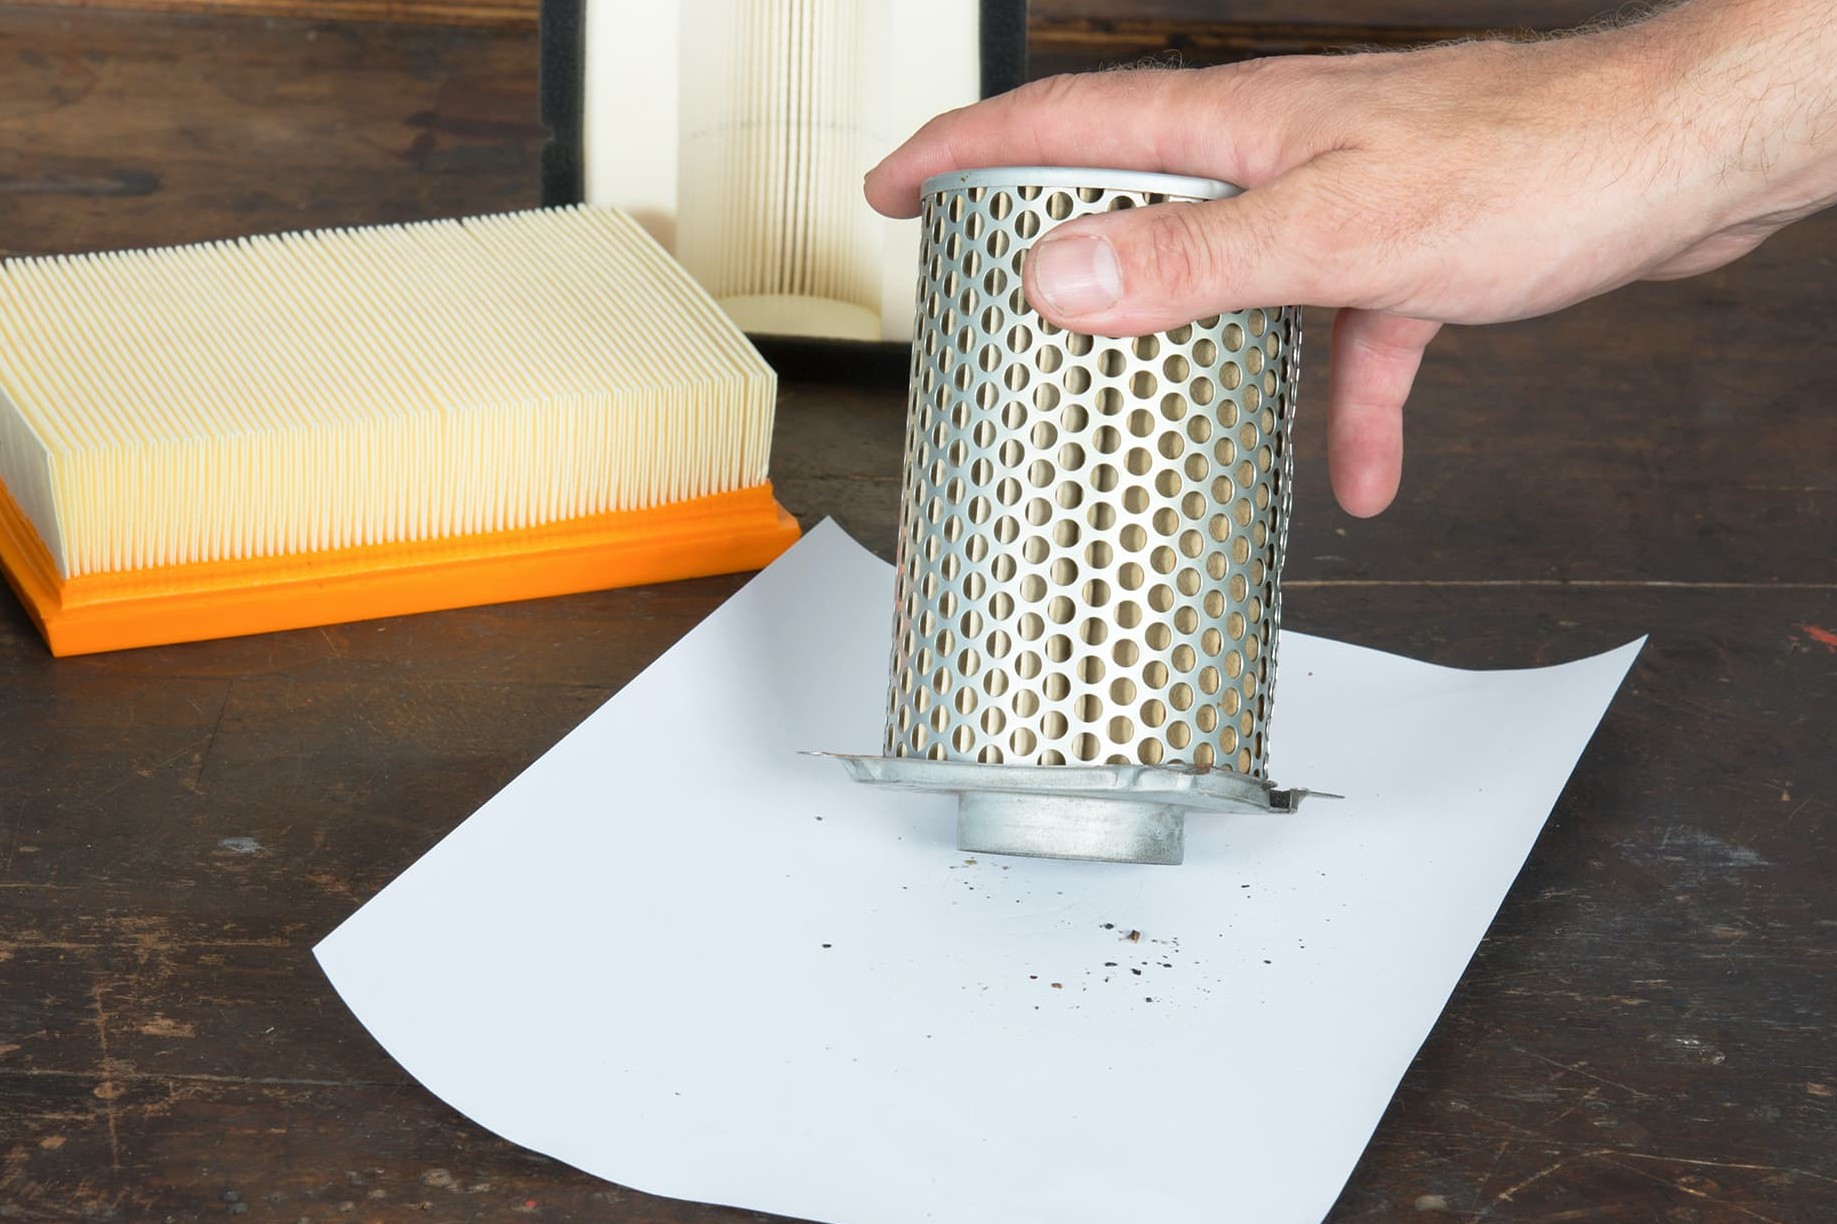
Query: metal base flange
x=1106, y=813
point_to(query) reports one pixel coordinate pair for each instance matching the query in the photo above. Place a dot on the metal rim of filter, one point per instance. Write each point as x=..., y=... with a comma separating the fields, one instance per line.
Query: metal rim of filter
x=1106, y=813
x=1073, y=178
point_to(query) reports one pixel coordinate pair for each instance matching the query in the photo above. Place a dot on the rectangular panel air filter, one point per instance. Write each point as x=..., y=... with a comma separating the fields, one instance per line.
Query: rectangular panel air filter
x=281, y=431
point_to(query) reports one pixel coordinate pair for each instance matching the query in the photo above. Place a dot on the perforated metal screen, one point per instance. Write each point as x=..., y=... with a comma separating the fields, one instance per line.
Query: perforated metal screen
x=1091, y=529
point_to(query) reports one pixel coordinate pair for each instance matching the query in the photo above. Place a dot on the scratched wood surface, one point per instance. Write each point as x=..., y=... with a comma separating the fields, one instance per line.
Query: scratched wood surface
x=1644, y=1036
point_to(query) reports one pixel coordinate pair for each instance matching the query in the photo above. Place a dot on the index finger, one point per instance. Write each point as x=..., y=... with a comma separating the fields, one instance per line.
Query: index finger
x=1205, y=122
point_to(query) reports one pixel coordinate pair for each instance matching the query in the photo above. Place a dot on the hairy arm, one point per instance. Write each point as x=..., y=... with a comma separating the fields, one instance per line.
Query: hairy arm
x=1468, y=183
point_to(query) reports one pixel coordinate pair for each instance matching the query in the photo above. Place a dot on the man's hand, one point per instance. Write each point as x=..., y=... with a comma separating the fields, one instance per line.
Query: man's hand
x=1467, y=183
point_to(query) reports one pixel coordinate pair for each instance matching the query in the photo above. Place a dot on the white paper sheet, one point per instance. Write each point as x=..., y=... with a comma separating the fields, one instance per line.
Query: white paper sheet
x=679, y=955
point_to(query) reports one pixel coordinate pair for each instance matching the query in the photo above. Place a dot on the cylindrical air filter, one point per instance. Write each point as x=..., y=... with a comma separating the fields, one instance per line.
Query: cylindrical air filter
x=1090, y=544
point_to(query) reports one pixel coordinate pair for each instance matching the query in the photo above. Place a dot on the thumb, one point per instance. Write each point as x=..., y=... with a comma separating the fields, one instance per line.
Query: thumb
x=1143, y=270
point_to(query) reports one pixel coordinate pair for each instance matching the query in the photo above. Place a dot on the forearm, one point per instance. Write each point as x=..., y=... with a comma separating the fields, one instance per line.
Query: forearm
x=1751, y=86
x=1472, y=182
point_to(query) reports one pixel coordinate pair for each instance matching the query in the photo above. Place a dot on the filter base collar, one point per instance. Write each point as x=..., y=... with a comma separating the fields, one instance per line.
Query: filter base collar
x=1071, y=827
x=1106, y=813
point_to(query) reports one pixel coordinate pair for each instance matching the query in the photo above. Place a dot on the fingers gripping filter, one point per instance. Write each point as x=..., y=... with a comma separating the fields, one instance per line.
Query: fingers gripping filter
x=1091, y=543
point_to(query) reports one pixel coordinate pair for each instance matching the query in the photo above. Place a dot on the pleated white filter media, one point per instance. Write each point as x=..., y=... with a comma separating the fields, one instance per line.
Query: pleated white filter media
x=738, y=131
x=302, y=392
x=786, y=229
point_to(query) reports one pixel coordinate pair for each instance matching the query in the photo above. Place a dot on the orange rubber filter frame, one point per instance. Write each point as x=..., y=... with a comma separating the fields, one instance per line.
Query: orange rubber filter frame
x=722, y=533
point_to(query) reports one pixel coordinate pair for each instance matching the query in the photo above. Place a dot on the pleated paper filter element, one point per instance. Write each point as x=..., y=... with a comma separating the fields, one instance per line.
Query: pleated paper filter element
x=309, y=428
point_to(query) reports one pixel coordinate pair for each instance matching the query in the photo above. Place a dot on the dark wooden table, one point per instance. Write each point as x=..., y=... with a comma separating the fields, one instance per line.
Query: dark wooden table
x=1646, y=1035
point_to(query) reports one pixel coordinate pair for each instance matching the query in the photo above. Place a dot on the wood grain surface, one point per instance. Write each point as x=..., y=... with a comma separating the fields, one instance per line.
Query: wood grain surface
x=1645, y=1035
x=1476, y=14
x=499, y=13
x=1070, y=35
